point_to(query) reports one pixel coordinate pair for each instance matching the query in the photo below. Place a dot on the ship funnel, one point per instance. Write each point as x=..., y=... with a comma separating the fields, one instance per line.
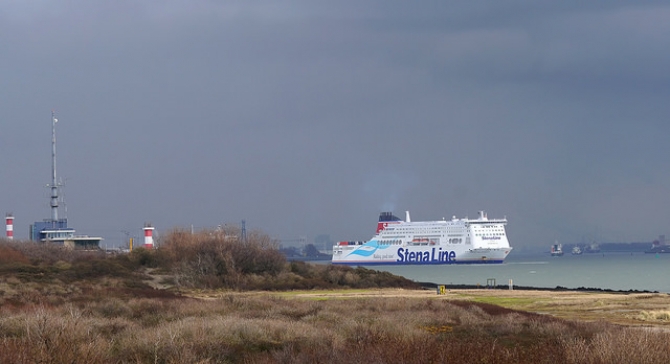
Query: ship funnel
x=482, y=215
x=407, y=219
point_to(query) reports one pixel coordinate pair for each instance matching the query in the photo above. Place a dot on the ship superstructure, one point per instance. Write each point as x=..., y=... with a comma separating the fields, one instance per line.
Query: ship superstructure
x=454, y=241
x=556, y=250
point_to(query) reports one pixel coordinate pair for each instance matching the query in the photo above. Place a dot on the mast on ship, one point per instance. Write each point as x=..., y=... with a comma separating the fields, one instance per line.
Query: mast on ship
x=54, y=184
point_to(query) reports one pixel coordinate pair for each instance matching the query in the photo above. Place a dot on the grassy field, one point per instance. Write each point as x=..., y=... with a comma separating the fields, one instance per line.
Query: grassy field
x=636, y=309
x=630, y=309
x=332, y=326
x=59, y=306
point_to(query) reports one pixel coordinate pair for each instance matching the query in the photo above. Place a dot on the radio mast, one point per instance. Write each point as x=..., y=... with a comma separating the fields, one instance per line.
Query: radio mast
x=54, y=184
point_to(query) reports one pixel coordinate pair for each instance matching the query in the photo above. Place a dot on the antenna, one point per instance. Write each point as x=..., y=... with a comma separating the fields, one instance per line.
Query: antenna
x=54, y=183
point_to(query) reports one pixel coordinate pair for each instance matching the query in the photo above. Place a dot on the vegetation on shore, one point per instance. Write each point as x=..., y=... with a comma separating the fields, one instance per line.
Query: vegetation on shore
x=59, y=306
x=210, y=260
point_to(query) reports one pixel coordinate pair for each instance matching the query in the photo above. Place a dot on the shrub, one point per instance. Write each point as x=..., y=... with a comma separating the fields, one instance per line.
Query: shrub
x=214, y=259
x=149, y=258
x=10, y=255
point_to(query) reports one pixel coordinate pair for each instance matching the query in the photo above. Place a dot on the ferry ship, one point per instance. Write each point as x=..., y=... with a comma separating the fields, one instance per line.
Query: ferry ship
x=455, y=241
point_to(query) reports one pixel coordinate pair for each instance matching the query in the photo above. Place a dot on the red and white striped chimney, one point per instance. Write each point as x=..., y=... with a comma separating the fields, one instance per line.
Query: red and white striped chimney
x=148, y=236
x=9, y=219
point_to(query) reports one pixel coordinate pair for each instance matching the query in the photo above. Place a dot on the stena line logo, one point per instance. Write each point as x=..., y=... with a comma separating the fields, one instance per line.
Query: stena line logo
x=432, y=256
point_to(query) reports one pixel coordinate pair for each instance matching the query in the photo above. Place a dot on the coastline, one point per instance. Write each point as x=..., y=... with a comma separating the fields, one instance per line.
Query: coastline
x=431, y=285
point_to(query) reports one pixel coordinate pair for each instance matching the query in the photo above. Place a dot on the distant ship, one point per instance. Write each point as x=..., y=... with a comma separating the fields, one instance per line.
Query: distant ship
x=556, y=250
x=577, y=251
x=593, y=248
x=404, y=242
x=659, y=246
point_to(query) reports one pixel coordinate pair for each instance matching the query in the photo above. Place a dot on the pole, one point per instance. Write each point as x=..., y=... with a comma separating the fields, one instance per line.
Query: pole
x=54, y=183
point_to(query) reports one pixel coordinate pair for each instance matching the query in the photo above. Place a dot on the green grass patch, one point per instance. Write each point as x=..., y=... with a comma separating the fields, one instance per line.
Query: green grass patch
x=509, y=302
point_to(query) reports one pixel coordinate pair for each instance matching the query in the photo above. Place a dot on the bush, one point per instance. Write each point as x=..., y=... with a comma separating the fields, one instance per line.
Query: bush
x=205, y=260
x=215, y=259
x=145, y=258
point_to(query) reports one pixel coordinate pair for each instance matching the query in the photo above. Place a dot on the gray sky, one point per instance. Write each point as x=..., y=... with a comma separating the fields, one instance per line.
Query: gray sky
x=311, y=117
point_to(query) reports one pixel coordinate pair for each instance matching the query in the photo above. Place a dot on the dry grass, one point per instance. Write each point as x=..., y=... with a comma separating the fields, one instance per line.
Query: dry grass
x=625, y=309
x=261, y=328
x=60, y=307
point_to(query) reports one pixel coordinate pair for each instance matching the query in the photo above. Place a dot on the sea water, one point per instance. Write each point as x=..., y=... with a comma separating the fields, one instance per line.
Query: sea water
x=616, y=271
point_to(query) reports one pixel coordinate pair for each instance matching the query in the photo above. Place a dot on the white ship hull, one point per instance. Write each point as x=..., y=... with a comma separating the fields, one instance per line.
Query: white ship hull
x=456, y=241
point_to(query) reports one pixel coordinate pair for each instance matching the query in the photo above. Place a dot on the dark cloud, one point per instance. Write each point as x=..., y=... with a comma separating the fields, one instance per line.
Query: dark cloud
x=311, y=117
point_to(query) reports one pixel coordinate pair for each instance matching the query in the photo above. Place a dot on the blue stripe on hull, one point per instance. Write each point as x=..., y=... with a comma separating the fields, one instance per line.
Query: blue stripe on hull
x=419, y=263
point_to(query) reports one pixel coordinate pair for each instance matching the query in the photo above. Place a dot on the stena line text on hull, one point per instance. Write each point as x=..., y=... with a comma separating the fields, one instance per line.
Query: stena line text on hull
x=455, y=241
